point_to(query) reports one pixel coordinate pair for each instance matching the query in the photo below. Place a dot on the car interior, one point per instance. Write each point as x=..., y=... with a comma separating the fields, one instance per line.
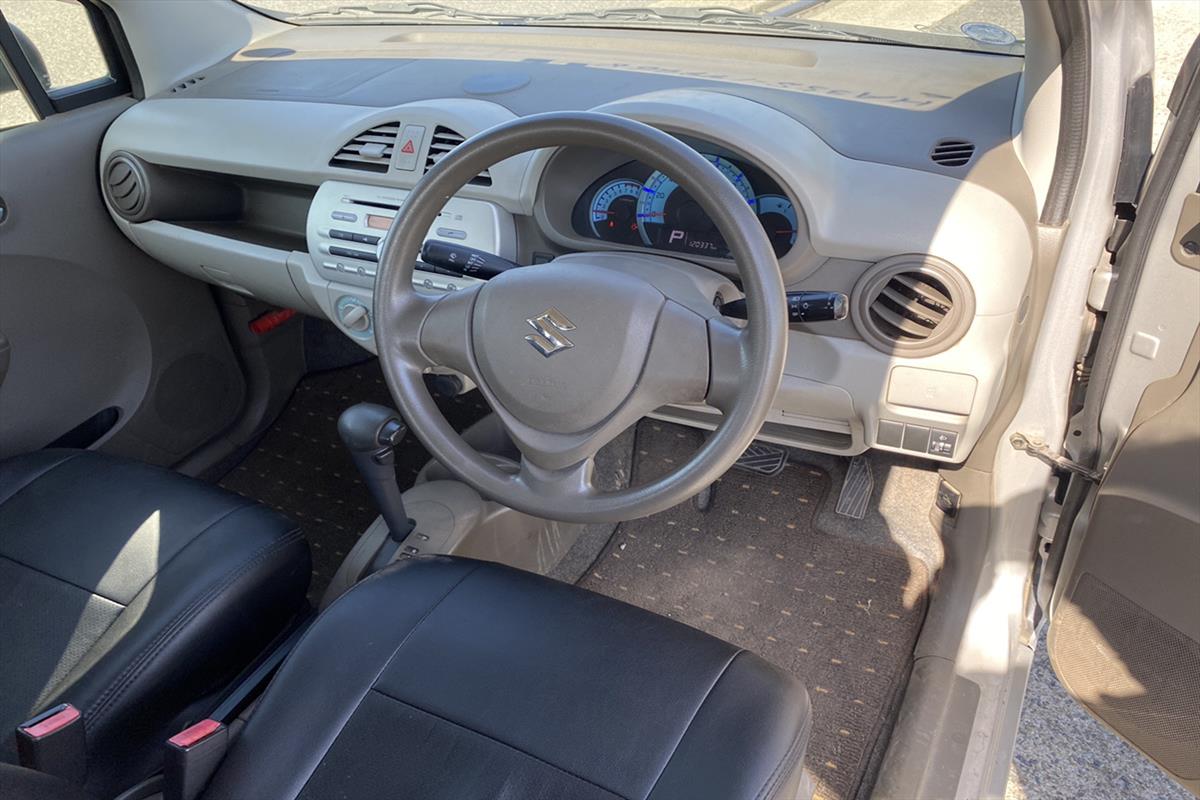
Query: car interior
x=476, y=400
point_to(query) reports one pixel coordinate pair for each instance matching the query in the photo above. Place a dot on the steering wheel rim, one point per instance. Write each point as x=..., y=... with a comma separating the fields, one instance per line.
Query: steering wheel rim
x=410, y=336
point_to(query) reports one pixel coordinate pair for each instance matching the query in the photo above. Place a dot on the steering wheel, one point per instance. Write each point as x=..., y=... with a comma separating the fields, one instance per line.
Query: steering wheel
x=571, y=353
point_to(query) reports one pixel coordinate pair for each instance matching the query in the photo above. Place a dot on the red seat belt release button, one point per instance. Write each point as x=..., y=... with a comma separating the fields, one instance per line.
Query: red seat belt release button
x=192, y=757
x=53, y=742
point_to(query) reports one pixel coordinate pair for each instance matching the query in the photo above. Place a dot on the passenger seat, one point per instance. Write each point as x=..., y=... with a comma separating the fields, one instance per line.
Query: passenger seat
x=135, y=594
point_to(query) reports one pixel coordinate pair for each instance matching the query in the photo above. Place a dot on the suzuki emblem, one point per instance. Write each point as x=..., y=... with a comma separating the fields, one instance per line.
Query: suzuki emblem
x=550, y=325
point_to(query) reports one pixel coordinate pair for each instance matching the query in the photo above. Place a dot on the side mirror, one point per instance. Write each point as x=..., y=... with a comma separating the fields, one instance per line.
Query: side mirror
x=33, y=55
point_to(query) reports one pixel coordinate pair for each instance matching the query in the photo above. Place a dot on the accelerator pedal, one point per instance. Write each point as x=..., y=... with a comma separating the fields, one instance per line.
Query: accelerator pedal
x=856, y=489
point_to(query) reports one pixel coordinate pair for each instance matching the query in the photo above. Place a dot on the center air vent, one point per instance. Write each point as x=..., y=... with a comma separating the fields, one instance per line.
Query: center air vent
x=445, y=140
x=370, y=151
x=125, y=185
x=917, y=305
x=952, y=152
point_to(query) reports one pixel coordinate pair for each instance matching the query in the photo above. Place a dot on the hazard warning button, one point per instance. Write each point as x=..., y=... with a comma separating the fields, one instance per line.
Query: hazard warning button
x=408, y=147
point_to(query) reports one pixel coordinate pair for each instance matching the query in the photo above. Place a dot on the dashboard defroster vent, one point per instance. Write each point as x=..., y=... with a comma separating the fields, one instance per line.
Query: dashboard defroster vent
x=952, y=152
x=370, y=151
x=125, y=185
x=918, y=305
x=445, y=140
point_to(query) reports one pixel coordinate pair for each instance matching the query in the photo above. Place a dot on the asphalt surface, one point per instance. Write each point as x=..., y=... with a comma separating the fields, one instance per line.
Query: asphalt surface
x=1061, y=752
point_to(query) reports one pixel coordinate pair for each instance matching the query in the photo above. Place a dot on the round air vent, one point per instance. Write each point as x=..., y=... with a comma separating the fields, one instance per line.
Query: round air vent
x=125, y=186
x=915, y=305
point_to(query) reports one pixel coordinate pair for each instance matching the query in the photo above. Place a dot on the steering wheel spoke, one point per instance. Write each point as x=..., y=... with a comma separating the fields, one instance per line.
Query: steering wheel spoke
x=444, y=334
x=572, y=483
x=728, y=355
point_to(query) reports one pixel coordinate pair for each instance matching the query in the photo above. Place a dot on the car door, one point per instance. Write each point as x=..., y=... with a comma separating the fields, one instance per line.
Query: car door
x=1124, y=636
x=100, y=346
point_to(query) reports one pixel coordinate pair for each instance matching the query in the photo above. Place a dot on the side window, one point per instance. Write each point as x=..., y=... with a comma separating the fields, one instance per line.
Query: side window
x=57, y=55
x=14, y=108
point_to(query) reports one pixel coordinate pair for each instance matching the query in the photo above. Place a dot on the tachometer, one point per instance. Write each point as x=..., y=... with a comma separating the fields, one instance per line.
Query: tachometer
x=673, y=220
x=613, y=212
x=778, y=218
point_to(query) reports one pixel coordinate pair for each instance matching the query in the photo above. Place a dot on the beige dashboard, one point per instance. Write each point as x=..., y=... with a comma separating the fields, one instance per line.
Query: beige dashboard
x=935, y=262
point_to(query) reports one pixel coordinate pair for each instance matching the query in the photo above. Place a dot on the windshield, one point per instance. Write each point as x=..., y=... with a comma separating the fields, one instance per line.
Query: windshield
x=993, y=26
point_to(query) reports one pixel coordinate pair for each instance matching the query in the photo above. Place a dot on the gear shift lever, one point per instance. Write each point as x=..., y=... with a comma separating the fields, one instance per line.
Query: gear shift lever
x=371, y=433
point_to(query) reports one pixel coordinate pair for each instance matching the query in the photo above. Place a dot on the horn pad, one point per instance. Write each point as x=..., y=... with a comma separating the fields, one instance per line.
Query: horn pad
x=562, y=347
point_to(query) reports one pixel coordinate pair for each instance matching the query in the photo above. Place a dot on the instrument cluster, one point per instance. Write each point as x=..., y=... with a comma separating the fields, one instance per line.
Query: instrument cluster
x=636, y=205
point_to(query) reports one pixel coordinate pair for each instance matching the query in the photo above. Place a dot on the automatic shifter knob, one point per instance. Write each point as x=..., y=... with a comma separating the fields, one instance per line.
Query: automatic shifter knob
x=371, y=433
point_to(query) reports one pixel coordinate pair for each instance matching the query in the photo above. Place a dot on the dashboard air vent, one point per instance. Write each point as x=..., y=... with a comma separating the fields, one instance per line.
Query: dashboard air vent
x=370, y=151
x=445, y=140
x=125, y=185
x=952, y=152
x=918, y=305
x=186, y=84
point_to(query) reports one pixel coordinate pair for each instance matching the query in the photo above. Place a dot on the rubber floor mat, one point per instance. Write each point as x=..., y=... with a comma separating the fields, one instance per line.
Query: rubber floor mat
x=753, y=570
x=301, y=468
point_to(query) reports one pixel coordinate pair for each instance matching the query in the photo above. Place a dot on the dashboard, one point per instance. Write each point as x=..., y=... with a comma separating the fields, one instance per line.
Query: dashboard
x=276, y=173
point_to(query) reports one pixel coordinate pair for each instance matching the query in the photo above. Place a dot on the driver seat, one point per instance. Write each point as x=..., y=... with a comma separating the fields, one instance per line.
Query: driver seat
x=442, y=677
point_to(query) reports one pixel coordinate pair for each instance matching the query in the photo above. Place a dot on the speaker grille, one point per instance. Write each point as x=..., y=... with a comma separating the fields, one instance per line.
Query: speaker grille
x=1134, y=671
x=125, y=186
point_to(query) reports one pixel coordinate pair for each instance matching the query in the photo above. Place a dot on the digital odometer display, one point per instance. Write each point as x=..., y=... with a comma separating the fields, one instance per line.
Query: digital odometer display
x=636, y=205
x=703, y=243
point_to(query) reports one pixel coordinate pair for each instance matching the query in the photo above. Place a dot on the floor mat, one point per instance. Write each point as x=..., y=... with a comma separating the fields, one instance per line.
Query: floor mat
x=754, y=571
x=301, y=469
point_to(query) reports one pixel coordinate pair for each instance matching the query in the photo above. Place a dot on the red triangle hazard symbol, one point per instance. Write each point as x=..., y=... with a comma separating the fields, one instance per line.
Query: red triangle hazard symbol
x=408, y=147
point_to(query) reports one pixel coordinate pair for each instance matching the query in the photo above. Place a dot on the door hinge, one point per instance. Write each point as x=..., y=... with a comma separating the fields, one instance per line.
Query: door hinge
x=1039, y=450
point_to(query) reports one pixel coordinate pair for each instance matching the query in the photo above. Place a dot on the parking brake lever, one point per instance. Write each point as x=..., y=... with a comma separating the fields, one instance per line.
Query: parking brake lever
x=802, y=307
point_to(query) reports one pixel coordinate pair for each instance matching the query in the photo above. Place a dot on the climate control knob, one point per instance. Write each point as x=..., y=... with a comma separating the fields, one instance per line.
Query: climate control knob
x=353, y=315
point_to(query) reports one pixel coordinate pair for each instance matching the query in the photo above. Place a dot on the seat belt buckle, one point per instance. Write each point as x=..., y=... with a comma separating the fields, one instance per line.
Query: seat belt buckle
x=192, y=757
x=53, y=742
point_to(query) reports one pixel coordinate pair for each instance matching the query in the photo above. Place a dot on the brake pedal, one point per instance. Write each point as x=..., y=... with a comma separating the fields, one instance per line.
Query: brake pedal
x=856, y=489
x=763, y=459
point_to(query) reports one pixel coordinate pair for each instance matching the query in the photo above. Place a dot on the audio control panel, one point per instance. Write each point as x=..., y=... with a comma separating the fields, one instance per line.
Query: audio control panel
x=347, y=227
x=348, y=222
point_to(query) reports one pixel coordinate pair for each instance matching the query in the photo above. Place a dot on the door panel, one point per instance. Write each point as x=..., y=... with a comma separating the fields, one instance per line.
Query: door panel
x=92, y=323
x=1125, y=620
x=1125, y=638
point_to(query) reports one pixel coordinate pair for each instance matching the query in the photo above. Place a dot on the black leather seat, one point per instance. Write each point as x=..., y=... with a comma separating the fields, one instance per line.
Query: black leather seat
x=444, y=678
x=132, y=593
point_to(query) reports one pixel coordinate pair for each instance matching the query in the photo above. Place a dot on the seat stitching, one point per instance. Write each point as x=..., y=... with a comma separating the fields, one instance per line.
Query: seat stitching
x=54, y=577
x=162, y=567
x=383, y=668
x=39, y=476
x=695, y=713
x=130, y=674
x=509, y=745
x=788, y=759
x=137, y=666
x=180, y=621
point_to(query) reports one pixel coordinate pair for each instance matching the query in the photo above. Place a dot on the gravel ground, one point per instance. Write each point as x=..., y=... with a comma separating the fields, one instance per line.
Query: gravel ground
x=1061, y=751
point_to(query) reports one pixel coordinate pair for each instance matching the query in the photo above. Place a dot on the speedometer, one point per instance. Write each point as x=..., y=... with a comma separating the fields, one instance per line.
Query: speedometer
x=669, y=218
x=778, y=218
x=613, y=211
